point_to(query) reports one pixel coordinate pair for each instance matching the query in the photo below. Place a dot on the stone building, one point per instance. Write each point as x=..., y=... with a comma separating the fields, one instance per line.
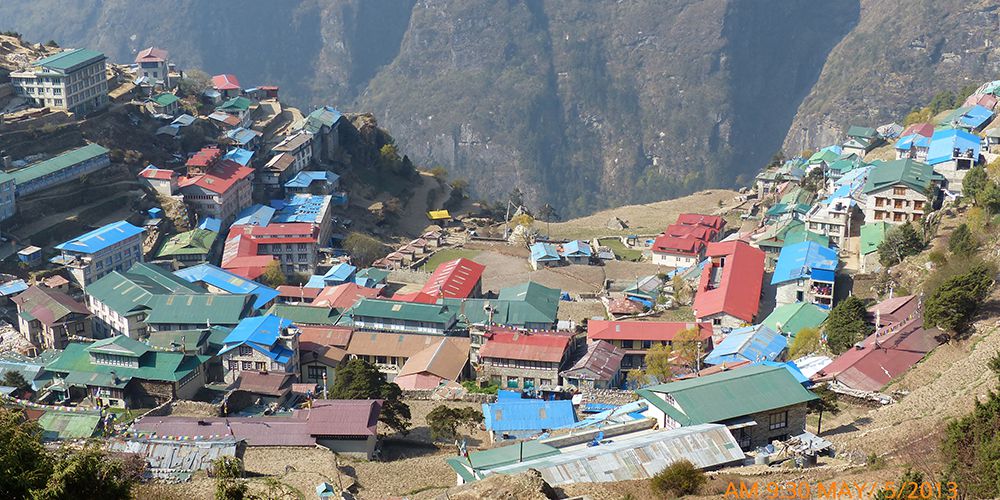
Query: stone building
x=758, y=403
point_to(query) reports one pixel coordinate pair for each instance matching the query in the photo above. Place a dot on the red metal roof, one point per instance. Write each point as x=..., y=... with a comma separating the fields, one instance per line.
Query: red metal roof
x=330, y=336
x=266, y=383
x=704, y=233
x=298, y=292
x=924, y=129
x=506, y=344
x=225, y=82
x=898, y=347
x=205, y=158
x=731, y=282
x=713, y=221
x=894, y=310
x=152, y=54
x=220, y=179
x=418, y=297
x=658, y=331
x=454, y=279
x=151, y=172
x=724, y=367
x=343, y=417
x=685, y=245
x=343, y=296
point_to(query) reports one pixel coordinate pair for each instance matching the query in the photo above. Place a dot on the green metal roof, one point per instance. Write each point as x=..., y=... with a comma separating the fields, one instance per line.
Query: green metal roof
x=795, y=317
x=165, y=99
x=409, y=311
x=872, y=235
x=909, y=172
x=199, y=309
x=193, y=242
x=134, y=289
x=499, y=457
x=120, y=345
x=862, y=132
x=800, y=234
x=514, y=306
x=61, y=162
x=730, y=394
x=153, y=365
x=823, y=156
x=69, y=60
x=304, y=314
x=239, y=103
x=797, y=195
x=68, y=425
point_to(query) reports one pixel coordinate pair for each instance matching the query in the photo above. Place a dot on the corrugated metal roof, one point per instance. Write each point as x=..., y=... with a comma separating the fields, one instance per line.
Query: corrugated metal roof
x=636, y=457
x=528, y=415
x=101, y=238
x=58, y=163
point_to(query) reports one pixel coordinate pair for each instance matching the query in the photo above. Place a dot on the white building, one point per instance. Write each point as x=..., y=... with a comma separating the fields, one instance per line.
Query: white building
x=88, y=257
x=73, y=80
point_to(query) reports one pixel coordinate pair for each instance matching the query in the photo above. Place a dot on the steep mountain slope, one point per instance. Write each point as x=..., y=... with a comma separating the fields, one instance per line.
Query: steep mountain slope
x=581, y=104
x=898, y=56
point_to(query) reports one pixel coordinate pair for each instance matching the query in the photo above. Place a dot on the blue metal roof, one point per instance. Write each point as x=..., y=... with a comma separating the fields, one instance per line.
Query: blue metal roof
x=210, y=224
x=241, y=135
x=229, y=282
x=790, y=366
x=341, y=273
x=975, y=117
x=823, y=275
x=315, y=281
x=239, y=155
x=577, y=247
x=543, y=251
x=944, y=143
x=301, y=208
x=306, y=178
x=801, y=259
x=528, y=415
x=255, y=215
x=261, y=333
x=12, y=287
x=753, y=343
x=101, y=238
x=913, y=140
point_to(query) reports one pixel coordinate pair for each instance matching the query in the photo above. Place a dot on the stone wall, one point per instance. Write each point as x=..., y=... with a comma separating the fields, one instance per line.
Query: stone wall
x=761, y=435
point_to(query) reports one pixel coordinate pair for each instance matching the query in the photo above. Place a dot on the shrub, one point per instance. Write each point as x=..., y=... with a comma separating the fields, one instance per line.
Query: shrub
x=678, y=479
x=952, y=305
x=846, y=324
x=900, y=242
x=962, y=243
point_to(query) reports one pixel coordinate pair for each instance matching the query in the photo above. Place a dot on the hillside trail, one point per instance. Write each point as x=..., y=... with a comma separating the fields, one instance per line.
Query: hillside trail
x=413, y=220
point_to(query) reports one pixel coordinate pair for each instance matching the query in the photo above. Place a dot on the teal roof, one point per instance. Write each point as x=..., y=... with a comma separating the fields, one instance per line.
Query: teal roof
x=908, y=172
x=305, y=314
x=199, y=309
x=153, y=365
x=862, y=132
x=872, y=235
x=410, y=311
x=165, y=99
x=68, y=425
x=727, y=395
x=795, y=317
x=58, y=163
x=69, y=60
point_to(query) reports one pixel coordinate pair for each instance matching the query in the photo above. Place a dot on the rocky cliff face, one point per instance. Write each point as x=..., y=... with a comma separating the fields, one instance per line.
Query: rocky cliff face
x=898, y=56
x=581, y=104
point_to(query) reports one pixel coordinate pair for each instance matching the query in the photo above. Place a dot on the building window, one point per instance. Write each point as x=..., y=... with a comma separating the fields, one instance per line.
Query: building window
x=247, y=365
x=899, y=191
x=646, y=344
x=260, y=366
x=716, y=321
x=778, y=420
x=627, y=344
x=245, y=350
x=918, y=205
x=234, y=365
x=315, y=373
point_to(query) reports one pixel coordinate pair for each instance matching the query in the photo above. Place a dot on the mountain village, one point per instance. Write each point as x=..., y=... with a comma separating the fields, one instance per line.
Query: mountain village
x=211, y=309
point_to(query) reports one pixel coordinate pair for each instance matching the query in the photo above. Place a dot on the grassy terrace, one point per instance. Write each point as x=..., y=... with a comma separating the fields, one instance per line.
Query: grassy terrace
x=620, y=250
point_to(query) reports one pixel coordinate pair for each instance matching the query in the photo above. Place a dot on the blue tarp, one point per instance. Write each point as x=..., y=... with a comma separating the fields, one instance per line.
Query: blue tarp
x=754, y=343
x=528, y=415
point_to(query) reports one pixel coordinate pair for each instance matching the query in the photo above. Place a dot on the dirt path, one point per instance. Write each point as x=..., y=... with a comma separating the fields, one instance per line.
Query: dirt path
x=414, y=218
